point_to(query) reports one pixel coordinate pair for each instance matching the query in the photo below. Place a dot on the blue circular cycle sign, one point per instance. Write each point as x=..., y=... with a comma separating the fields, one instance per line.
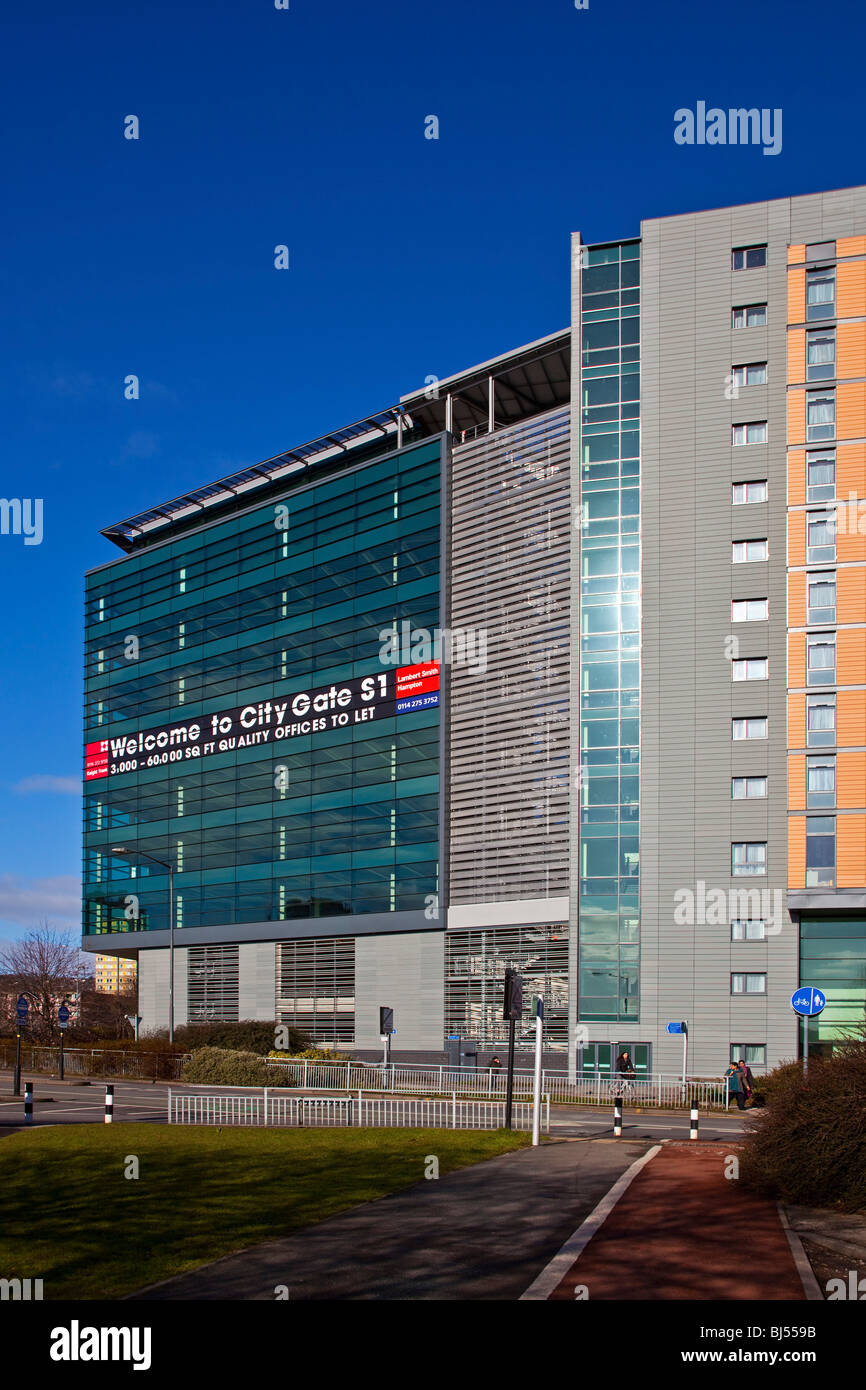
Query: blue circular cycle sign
x=808, y=1001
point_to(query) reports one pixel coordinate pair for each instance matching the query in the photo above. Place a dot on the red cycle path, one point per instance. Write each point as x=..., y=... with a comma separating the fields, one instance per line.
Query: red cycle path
x=682, y=1230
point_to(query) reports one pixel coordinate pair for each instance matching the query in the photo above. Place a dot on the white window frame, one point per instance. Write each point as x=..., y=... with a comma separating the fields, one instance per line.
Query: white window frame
x=744, y=557
x=820, y=430
x=817, y=371
x=814, y=612
x=744, y=498
x=746, y=720
x=820, y=492
x=745, y=923
x=748, y=433
x=746, y=975
x=750, y=374
x=744, y=664
x=749, y=788
x=757, y=865
x=748, y=309
x=821, y=702
x=744, y=252
x=750, y=610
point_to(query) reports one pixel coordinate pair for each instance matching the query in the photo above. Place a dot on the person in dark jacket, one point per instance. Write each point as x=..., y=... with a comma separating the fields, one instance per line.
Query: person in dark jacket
x=747, y=1081
x=624, y=1066
x=734, y=1079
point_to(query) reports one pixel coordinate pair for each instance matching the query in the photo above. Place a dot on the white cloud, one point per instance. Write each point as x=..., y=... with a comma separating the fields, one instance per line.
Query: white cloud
x=25, y=902
x=63, y=786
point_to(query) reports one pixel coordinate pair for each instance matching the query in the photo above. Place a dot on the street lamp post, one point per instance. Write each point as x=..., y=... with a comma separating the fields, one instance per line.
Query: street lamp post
x=133, y=853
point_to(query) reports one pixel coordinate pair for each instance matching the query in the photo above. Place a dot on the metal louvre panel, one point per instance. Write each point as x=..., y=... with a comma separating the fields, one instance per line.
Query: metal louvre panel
x=509, y=745
x=212, y=984
x=475, y=964
x=316, y=987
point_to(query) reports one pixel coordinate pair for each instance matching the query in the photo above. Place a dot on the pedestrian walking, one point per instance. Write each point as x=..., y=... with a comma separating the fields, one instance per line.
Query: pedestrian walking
x=734, y=1079
x=747, y=1080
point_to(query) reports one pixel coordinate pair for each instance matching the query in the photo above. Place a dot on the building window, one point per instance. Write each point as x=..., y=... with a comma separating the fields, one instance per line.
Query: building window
x=746, y=552
x=820, y=415
x=749, y=982
x=212, y=984
x=821, y=658
x=753, y=1054
x=752, y=668
x=749, y=492
x=820, y=354
x=749, y=610
x=820, y=721
x=748, y=929
x=820, y=782
x=753, y=433
x=820, y=477
x=753, y=727
x=821, y=598
x=750, y=374
x=820, y=851
x=748, y=858
x=748, y=257
x=316, y=987
x=748, y=788
x=820, y=537
x=749, y=316
x=821, y=293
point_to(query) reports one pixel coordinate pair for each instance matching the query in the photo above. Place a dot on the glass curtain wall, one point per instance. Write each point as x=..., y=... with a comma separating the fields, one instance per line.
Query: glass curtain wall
x=610, y=634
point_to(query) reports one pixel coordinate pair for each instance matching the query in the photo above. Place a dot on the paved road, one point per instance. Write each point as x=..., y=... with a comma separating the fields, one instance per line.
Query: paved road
x=141, y=1101
x=482, y=1233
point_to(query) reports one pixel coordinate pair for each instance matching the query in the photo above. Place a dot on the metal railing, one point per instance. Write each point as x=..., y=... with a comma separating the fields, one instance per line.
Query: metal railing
x=277, y=1108
x=96, y=1061
x=656, y=1089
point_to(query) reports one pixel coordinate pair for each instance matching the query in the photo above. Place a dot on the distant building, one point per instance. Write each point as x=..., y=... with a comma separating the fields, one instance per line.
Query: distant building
x=115, y=975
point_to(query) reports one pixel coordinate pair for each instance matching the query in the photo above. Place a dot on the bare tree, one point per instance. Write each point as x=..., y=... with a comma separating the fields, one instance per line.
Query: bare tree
x=46, y=966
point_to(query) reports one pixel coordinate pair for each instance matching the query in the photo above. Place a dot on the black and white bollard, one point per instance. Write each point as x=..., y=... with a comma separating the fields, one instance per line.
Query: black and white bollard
x=109, y=1104
x=617, y=1117
x=693, y=1123
x=28, y=1101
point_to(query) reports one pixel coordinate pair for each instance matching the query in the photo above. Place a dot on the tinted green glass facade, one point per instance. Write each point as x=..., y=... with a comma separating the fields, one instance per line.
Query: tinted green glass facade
x=833, y=958
x=610, y=633
x=254, y=608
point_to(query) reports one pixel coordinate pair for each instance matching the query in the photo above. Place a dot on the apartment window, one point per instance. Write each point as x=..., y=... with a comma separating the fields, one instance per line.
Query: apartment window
x=746, y=552
x=820, y=782
x=821, y=293
x=748, y=788
x=753, y=433
x=749, y=982
x=820, y=720
x=820, y=851
x=748, y=858
x=753, y=1054
x=749, y=929
x=751, y=374
x=753, y=727
x=821, y=658
x=820, y=477
x=820, y=537
x=820, y=354
x=820, y=415
x=744, y=493
x=749, y=316
x=749, y=610
x=821, y=598
x=748, y=257
x=752, y=668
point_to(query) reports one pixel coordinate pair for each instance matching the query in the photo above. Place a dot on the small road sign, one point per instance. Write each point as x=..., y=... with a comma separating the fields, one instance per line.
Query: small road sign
x=676, y=1028
x=22, y=1008
x=63, y=1016
x=808, y=1000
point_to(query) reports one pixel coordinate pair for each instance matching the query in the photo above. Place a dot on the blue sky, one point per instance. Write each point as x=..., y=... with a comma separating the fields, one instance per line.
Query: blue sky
x=409, y=256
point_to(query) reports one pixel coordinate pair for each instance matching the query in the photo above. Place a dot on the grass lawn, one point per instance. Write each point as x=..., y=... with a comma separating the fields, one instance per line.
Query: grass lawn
x=69, y=1216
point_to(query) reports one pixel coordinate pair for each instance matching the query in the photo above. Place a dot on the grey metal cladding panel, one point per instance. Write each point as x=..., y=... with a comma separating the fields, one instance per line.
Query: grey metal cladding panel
x=688, y=818
x=509, y=743
x=407, y=974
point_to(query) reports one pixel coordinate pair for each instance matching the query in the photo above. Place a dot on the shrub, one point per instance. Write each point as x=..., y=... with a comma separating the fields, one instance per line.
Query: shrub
x=809, y=1145
x=217, y=1066
x=246, y=1036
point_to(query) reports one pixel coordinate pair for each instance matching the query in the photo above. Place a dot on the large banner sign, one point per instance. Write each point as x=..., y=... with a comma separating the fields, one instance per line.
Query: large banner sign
x=361, y=700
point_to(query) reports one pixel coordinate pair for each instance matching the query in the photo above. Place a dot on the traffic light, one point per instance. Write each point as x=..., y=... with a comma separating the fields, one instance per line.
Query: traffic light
x=513, y=1002
x=386, y=1021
